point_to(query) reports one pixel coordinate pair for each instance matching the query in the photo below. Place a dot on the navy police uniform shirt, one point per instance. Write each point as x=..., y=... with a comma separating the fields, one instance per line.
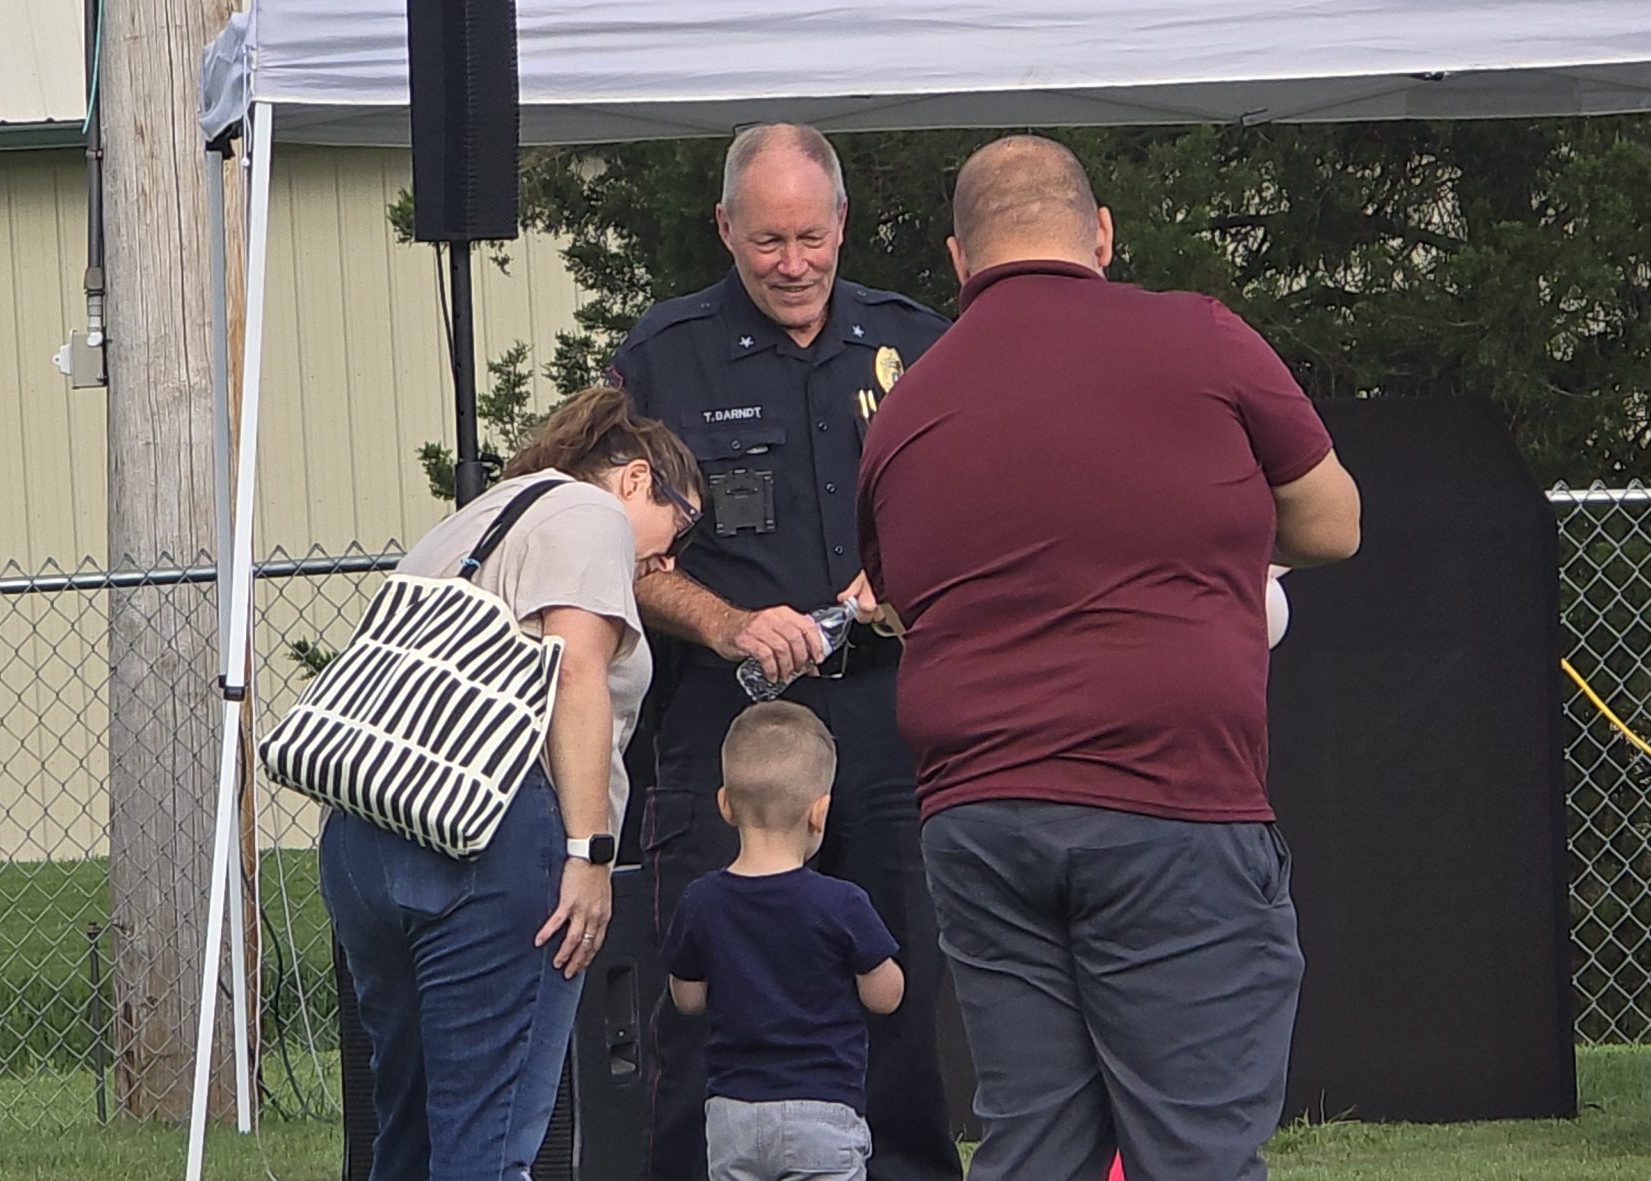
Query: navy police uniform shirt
x=777, y=428
x=779, y=955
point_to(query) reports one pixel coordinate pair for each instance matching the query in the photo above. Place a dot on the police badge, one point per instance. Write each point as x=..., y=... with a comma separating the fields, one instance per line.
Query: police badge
x=888, y=366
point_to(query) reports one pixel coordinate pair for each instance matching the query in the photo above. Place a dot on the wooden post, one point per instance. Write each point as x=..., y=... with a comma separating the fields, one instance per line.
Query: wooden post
x=163, y=703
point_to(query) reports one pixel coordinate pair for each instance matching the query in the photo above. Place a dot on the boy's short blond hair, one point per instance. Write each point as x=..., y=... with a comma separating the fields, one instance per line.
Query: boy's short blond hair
x=777, y=759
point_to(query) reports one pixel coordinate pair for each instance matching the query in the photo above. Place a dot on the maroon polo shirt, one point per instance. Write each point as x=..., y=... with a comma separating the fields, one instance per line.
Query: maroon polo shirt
x=1068, y=501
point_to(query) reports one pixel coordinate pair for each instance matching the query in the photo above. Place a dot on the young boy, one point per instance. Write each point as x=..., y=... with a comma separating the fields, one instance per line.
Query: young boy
x=781, y=959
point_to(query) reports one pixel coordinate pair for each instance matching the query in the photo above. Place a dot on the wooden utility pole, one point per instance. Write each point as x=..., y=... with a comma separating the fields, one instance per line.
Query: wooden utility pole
x=163, y=703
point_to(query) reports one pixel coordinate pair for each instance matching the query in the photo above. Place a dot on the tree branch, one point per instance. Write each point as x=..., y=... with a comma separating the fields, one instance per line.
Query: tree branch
x=1416, y=235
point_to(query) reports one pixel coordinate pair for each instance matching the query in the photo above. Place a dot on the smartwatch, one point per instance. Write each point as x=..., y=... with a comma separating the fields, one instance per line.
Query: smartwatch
x=598, y=849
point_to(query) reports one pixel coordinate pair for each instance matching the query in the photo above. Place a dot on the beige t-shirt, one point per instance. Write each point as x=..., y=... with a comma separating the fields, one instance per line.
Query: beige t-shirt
x=572, y=548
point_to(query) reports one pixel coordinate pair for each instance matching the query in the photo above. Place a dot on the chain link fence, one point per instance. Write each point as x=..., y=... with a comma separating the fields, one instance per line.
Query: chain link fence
x=69, y=726
x=1605, y=612
x=100, y=954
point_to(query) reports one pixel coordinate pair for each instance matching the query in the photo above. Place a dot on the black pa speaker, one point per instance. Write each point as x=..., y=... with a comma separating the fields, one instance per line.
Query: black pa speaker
x=466, y=122
x=355, y=1068
x=1417, y=770
x=598, y=1130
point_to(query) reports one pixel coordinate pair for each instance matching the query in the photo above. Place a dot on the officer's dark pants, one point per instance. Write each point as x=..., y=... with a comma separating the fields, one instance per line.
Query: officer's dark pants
x=871, y=840
x=1125, y=981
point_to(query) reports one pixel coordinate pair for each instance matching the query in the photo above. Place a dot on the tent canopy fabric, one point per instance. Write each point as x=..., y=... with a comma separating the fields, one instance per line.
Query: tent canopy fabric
x=609, y=70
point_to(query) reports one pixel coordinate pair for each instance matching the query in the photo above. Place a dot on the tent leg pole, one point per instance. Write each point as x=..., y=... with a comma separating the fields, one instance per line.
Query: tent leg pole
x=234, y=588
x=220, y=456
x=220, y=382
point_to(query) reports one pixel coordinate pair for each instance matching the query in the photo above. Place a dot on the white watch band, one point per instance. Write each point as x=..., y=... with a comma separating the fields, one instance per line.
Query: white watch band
x=598, y=848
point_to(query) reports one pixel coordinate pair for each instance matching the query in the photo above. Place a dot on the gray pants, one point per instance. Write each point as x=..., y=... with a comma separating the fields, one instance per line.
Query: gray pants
x=1126, y=982
x=786, y=1140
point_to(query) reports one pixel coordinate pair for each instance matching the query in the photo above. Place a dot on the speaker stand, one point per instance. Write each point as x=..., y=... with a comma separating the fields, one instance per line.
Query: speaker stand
x=469, y=477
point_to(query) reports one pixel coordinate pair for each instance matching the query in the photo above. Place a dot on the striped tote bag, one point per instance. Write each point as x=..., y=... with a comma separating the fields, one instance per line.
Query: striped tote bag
x=429, y=719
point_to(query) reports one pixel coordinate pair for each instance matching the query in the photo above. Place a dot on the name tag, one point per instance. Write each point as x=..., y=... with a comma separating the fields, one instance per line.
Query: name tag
x=734, y=414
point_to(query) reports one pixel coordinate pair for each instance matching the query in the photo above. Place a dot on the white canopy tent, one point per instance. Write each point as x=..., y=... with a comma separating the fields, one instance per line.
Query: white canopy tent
x=318, y=71
x=603, y=70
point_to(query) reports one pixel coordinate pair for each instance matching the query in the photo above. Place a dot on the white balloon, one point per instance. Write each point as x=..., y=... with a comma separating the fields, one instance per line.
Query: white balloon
x=1278, y=612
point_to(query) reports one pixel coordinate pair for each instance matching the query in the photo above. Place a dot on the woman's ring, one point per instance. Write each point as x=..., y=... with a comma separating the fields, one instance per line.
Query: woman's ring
x=590, y=939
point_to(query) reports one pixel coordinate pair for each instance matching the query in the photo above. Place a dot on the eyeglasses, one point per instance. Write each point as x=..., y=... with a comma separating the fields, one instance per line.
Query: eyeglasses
x=684, y=535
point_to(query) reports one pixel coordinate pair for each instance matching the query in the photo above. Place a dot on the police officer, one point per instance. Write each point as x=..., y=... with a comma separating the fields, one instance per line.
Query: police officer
x=771, y=377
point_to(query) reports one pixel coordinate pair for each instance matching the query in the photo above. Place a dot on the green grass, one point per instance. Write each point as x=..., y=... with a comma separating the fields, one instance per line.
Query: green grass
x=293, y=1151
x=1610, y=1141
x=46, y=1017
x=47, y=1111
x=45, y=985
x=48, y=1130
x=297, y=921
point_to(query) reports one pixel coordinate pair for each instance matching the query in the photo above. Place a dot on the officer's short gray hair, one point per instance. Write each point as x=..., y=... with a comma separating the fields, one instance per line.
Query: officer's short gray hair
x=799, y=137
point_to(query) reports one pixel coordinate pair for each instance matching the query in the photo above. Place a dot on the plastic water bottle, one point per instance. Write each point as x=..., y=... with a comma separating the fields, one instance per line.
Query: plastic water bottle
x=833, y=622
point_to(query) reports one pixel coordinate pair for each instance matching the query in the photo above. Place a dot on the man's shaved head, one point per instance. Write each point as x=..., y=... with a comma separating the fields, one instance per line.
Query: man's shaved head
x=1022, y=189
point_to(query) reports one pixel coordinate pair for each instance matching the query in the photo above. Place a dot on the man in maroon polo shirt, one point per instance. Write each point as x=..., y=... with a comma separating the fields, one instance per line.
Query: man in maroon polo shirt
x=1071, y=502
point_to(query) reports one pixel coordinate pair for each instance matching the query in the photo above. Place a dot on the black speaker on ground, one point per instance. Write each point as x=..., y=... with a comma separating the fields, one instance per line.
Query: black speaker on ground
x=466, y=119
x=598, y=1129
x=355, y=1068
x=1417, y=771
x=607, y=1105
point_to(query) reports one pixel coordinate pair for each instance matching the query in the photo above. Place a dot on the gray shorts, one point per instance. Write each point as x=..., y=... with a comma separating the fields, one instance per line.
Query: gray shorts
x=785, y=1140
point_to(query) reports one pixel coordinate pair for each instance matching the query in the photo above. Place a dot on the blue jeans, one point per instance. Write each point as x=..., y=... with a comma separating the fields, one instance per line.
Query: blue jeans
x=469, y=1022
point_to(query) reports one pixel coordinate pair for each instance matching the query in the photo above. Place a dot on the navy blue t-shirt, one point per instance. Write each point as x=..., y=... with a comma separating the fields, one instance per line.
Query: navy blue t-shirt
x=779, y=955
